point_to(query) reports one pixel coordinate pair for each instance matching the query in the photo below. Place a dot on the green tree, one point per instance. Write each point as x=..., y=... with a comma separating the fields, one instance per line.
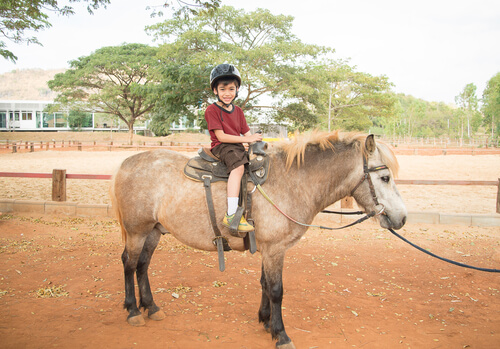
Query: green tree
x=468, y=103
x=273, y=62
x=20, y=16
x=356, y=99
x=415, y=117
x=78, y=119
x=491, y=105
x=115, y=80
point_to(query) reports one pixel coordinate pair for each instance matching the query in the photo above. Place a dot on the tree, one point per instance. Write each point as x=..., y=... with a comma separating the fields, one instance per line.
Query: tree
x=273, y=63
x=468, y=103
x=115, y=80
x=78, y=119
x=356, y=99
x=20, y=16
x=491, y=105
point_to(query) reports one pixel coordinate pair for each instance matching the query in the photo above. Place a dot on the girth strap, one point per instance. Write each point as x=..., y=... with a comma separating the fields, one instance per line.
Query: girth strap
x=219, y=241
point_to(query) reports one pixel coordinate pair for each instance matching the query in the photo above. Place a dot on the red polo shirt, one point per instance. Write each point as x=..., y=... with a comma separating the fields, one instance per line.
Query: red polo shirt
x=232, y=123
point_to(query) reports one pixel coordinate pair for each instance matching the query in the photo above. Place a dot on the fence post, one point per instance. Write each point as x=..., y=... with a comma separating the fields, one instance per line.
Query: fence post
x=32, y=147
x=58, y=185
x=14, y=148
x=347, y=202
x=498, y=196
x=80, y=146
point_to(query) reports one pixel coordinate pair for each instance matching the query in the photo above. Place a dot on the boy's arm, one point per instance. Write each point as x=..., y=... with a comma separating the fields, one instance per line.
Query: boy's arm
x=246, y=138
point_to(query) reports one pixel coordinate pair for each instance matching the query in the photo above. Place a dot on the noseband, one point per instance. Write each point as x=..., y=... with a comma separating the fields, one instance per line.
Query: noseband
x=368, y=178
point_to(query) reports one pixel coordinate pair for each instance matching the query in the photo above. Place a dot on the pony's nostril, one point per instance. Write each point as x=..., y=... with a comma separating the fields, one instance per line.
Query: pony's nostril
x=404, y=220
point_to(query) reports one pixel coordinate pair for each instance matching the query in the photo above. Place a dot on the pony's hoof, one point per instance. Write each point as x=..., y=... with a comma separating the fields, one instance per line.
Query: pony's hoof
x=157, y=316
x=137, y=320
x=286, y=346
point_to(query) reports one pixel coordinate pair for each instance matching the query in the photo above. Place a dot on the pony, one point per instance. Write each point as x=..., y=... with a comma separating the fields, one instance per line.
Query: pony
x=151, y=196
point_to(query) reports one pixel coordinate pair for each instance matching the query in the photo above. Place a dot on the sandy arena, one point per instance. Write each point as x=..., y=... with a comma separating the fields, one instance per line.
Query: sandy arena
x=61, y=282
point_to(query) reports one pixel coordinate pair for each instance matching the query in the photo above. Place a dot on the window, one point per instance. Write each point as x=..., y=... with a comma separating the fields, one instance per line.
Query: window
x=27, y=116
x=14, y=116
x=3, y=119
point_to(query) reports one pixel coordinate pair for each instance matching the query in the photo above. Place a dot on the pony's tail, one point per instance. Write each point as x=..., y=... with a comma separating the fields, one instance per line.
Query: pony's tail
x=116, y=210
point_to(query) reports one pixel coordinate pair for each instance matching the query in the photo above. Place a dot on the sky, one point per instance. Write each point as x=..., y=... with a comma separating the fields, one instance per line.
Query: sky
x=430, y=49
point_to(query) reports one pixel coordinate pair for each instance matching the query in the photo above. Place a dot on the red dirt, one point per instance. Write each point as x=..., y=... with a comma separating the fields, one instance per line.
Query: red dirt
x=360, y=287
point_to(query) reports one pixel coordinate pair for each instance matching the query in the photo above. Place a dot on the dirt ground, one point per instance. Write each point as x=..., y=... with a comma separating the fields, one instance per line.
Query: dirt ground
x=61, y=286
x=61, y=282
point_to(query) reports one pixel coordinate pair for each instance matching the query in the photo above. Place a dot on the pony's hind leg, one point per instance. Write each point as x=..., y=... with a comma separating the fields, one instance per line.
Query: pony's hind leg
x=146, y=297
x=130, y=258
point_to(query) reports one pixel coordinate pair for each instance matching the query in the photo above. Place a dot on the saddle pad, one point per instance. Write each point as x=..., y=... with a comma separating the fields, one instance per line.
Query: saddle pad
x=196, y=168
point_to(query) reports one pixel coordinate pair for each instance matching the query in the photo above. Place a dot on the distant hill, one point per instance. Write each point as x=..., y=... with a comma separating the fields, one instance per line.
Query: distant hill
x=27, y=84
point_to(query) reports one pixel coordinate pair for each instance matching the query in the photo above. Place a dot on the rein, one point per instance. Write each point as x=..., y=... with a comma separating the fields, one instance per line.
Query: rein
x=442, y=258
x=367, y=177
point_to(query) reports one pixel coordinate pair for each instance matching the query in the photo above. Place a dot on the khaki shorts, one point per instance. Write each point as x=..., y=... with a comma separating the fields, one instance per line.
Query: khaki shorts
x=232, y=155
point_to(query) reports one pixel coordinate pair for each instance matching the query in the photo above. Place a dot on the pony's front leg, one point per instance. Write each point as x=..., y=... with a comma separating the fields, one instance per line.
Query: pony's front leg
x=265, y=303
x=272, y=298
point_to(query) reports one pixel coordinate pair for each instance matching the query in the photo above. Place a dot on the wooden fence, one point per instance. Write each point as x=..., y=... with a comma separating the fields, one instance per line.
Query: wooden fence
x=59, y=183
x=26, y=146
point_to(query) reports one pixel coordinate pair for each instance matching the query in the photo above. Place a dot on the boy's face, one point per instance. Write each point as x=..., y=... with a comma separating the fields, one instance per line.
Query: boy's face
x=227, y=92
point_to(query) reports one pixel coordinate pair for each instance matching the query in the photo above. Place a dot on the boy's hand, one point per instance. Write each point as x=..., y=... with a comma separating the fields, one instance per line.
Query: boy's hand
x=256, y=137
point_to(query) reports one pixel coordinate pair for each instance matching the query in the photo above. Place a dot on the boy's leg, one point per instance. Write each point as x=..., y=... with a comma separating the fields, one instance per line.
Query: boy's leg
x=234, y=181
x=233, y=191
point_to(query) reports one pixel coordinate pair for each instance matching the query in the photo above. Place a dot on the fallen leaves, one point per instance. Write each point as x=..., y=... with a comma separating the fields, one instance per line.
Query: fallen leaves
x=51, y=292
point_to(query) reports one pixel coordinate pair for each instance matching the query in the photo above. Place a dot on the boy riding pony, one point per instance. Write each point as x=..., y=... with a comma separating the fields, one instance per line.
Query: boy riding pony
x=228, y=130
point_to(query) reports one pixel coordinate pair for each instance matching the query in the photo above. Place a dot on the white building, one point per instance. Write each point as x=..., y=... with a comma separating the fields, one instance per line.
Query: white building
x=30, y=116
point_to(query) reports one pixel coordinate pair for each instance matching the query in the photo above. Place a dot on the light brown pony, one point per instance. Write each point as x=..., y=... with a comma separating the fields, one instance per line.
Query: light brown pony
x=150, y=195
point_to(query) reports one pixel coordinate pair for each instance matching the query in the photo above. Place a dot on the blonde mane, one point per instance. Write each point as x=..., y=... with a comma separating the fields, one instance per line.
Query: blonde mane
x=296, y=149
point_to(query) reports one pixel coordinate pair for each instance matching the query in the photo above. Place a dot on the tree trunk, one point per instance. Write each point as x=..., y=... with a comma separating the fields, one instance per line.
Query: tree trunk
x=130, y=133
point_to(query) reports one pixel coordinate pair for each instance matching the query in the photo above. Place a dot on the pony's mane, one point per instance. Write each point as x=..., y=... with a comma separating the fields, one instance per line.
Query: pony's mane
x=295, y=150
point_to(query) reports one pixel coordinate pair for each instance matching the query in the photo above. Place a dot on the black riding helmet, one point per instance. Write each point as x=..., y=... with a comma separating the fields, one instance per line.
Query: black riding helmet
x=224, y=70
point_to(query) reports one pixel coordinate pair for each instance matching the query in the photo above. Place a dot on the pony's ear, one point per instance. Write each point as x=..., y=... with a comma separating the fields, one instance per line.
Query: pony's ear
x=370, y=144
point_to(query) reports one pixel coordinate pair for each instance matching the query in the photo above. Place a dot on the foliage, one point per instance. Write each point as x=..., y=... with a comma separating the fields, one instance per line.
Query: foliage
x=415, y=117
x=117, y=80
x=355, y=100
x=284, y=80
x=79, y=119
x=272, y=61
x=468, y=103
x=491, y=106
x=20, y=16
x=183, y=8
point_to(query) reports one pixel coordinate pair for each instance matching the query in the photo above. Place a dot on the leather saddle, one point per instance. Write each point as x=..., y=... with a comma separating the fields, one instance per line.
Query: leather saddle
x=207, y=168
x=207, y=165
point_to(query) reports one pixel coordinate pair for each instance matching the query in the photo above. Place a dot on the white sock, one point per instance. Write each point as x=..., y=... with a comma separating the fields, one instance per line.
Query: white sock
x=232, y=205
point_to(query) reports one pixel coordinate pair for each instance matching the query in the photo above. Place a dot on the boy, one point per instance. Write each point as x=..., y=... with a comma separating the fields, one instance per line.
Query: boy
x=226, y=123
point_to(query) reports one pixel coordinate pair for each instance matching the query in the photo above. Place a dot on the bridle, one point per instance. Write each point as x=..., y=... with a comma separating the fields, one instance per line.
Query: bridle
x=368, y=178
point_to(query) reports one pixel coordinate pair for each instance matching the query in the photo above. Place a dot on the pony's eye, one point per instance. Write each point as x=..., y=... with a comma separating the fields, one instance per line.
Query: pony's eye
x=386, y=179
